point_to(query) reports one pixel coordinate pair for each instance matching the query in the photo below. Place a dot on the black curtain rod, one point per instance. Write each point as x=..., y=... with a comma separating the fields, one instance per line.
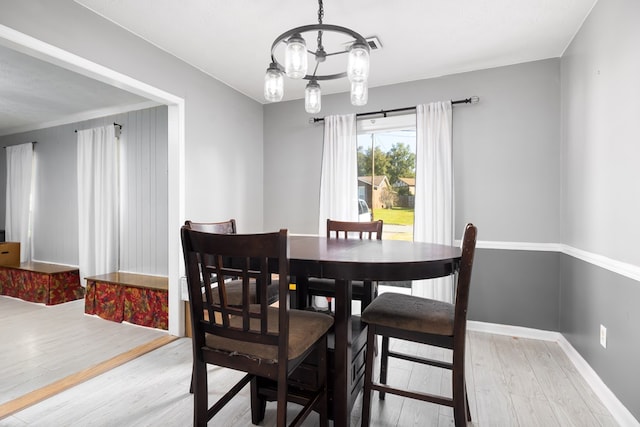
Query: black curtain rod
x=114, y=123
x=471, y=100
x=33, y=142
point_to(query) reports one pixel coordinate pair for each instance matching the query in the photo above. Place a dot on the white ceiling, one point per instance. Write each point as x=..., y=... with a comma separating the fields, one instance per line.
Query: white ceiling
x=231, y=41
x=34, y=94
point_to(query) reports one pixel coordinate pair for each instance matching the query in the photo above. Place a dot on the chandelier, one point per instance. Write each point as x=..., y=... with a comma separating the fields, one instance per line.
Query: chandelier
x=296, y=64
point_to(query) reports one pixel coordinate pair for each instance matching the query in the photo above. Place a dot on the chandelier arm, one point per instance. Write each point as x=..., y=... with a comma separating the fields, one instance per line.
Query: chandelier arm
x=326, y=77
x=337, y=53
x=316, y=27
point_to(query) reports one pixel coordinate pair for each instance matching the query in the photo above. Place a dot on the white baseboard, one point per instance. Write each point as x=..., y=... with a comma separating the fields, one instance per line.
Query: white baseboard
x=619, y=412
x=515, y=331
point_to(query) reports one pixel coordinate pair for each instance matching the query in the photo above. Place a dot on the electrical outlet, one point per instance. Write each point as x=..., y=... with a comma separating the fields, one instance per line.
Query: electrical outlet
x=603, y=336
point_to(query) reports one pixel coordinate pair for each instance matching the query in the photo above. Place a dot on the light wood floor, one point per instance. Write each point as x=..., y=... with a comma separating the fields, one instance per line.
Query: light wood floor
x=511, y=382
x=41, y=345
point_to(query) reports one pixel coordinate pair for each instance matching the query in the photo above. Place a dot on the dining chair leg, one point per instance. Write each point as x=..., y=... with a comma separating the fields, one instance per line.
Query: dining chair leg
x=193, y=372
x=200, y=394
x=368, y=378
x=384, y=360
x=322, y=379
x=258, y=404
x=466, y=399
x=460, y=404
x=281, y=394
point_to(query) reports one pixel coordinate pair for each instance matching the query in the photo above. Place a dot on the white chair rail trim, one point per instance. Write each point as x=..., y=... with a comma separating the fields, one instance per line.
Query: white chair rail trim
x=624, y=269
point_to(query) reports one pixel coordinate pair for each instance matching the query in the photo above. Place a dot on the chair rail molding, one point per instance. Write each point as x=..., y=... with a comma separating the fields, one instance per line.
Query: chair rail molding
x=622, y=268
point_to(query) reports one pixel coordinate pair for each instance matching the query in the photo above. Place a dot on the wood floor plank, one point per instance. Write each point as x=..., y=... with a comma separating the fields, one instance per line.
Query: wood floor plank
x=491, y=393
x=531, y=412
x=583, y=389
x=519, y=376
x=556, y=385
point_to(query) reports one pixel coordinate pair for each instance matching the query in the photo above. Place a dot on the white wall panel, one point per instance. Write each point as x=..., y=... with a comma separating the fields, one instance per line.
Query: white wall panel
x=144, y=190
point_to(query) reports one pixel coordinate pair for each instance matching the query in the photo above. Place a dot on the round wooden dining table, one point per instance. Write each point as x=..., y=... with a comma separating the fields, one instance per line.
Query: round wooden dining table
x=345, y=260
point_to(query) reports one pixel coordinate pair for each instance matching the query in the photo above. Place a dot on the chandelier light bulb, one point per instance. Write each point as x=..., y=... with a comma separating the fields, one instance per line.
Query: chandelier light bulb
x=273, y=84
x=358, y=62
x=295, y=57
x=312, y=97
x=359, y=93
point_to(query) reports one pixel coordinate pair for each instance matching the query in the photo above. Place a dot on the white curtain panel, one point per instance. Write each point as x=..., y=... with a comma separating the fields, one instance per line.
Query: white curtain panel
x=339, y=178
x=98, y=201
x=18, y=201
x=433, y=220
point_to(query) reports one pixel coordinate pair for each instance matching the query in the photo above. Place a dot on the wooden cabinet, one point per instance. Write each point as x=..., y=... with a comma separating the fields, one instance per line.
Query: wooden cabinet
x=10, y=253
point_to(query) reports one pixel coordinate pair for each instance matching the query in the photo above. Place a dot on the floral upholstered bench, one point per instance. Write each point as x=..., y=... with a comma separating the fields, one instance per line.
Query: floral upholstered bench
x=135, y=298
x=41, y=282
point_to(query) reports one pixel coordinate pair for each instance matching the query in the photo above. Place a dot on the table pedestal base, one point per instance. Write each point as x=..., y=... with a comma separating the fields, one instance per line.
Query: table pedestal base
x=304, y=377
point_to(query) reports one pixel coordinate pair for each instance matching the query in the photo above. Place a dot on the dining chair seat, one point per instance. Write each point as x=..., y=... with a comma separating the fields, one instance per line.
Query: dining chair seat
x=305, y=328
x=410, y=313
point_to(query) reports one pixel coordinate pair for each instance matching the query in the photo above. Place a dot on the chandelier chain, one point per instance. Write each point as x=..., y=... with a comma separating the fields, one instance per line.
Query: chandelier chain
x=320, y=16
x=320, y=11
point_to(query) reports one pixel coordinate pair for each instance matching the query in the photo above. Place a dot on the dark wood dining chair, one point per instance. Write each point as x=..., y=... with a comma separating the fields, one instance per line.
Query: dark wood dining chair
x=425, y=321
x=261, y=340
x=363, y=291
x=234, y=287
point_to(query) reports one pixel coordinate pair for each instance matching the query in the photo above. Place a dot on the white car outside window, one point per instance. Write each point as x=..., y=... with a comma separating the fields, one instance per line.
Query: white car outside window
x=364, y=213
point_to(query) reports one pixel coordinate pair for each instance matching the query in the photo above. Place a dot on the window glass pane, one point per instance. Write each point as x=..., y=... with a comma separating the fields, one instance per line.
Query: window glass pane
x=386, y=172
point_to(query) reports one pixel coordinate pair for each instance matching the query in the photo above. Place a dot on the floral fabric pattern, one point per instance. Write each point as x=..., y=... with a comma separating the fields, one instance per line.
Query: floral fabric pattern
x=117, y=302
x=40, y=287
x=107, y=300
x=6, y=285
x=146, y=307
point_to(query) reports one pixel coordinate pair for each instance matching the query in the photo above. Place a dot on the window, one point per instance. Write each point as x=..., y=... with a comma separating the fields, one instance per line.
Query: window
x=386, y=172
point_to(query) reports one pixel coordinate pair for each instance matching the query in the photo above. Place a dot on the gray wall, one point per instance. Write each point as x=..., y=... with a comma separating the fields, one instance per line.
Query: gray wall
x=590, y=296
x=513, y=132
x=516, y=287
x=601, y=195
x=144, y=210
x=600, y=112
